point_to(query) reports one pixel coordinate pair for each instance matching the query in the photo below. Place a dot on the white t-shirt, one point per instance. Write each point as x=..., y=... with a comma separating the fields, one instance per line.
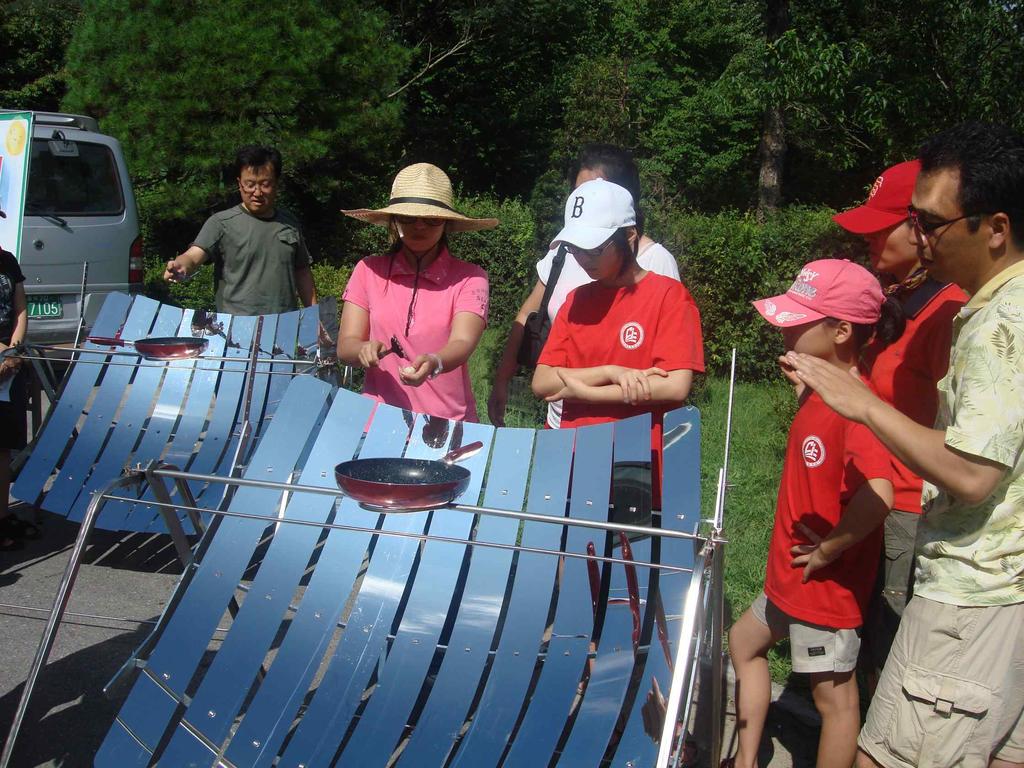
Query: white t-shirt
x=654, y=258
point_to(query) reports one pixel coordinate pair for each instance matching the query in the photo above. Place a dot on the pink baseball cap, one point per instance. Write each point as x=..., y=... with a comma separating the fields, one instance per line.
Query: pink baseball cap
x=887, y=201
x=826, y=288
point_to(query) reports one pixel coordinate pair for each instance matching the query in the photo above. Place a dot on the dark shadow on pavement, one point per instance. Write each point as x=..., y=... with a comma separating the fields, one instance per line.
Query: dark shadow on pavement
x=69, y=715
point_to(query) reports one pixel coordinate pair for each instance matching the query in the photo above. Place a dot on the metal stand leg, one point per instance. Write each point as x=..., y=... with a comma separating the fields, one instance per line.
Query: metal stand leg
x=679, y=697
x=171, y=520
x=717, y=599
x=60, y=604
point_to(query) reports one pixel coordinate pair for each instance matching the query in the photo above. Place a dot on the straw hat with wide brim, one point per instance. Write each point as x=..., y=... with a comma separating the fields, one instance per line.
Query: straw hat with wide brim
x=422, y=190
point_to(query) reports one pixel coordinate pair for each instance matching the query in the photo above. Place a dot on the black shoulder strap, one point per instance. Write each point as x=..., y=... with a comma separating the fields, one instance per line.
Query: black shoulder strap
x=556, y=270
x=914, y=301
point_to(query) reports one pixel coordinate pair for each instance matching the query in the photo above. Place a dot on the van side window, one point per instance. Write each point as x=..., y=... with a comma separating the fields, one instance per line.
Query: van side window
x=82, y=185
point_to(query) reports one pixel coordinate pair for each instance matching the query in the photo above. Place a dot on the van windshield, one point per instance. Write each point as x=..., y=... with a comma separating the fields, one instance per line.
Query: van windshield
x=79, y=179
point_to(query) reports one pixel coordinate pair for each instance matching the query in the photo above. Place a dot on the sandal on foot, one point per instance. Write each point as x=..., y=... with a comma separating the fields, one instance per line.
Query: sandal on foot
x=13, y=527
x=8, y=544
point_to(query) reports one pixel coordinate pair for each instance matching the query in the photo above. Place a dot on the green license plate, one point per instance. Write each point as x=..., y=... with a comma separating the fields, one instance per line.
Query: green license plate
x=45, y=307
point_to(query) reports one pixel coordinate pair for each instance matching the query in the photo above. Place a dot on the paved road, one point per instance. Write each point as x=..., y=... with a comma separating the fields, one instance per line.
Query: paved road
x=126, y=578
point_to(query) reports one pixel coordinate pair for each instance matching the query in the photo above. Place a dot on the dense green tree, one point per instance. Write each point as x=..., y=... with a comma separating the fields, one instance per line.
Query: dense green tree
x=661, y=82
x=862, y=84
x=486, y=84
x=183, y=84
x=34, y=34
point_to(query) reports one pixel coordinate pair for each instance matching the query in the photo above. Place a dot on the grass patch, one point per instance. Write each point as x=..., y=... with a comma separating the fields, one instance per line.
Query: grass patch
x=761, y=417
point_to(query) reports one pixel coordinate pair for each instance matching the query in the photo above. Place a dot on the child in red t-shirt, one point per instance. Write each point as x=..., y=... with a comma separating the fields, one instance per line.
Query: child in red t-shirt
x=835, y=492
x=630, y=341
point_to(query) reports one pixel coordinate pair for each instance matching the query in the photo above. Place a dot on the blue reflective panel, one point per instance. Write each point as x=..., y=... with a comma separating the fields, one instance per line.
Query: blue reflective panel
x=186, y=750
x=574, y=619
x=309, y=331
x=525, y=623
x=238, y=661
x=317, y=736
x=190, y=426
x=162, y=418
x=283, y=348
x=269, y=715
x=189, y=630
x=153, y=707
x=261, y=383
x=121, y=750
x=220, y=438
x=93, y=432
x=401, y=677
x=480, y=606
x=127, y=428
x=611, y=670
x=681, y=500
x=64, y=414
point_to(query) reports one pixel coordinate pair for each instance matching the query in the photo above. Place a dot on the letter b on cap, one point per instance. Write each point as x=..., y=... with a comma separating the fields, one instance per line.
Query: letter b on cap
x=577, y=208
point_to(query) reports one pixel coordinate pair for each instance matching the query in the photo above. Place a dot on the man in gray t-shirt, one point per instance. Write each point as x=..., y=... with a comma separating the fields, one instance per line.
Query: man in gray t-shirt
x=260, y=259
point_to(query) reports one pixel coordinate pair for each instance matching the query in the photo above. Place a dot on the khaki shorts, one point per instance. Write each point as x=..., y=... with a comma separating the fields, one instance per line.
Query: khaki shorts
x=814, y=648
x=952, y=692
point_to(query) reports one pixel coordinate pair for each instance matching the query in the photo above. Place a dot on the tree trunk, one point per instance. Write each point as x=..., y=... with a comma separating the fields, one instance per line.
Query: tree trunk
x=773, y=160
x=772, y=149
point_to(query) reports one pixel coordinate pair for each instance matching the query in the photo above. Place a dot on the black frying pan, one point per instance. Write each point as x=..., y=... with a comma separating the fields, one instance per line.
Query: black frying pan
x=158, y=348
x=406, y=485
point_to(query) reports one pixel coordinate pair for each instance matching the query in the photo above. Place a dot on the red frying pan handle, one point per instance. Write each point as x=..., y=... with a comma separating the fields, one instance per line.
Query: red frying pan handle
x=595, y=577
x=107, y=340
x=632, y=587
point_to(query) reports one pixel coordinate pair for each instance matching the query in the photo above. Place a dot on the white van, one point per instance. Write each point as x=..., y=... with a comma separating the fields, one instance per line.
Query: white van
x=79, y=208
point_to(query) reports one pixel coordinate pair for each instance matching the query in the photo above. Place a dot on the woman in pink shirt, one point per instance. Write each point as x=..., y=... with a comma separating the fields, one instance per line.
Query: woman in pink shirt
x=414, y=315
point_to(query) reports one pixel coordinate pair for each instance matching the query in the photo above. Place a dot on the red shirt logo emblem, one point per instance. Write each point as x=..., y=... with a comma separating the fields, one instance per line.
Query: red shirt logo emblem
x=631, y=335
x=814, y=451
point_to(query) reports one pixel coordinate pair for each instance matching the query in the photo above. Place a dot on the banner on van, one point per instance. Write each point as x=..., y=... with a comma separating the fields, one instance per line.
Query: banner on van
x=15, y=144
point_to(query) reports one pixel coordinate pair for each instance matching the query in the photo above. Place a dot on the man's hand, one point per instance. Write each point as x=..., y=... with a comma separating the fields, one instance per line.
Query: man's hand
x=843, y=392
x=370, y=352
x=635, y=385
x=418, y=371
x=9, y=367
x=811, y=557
x=175, y=272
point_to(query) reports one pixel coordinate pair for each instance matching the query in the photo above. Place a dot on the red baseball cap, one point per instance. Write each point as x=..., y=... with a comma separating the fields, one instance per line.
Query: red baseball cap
x=826, y=288
x=887, y=201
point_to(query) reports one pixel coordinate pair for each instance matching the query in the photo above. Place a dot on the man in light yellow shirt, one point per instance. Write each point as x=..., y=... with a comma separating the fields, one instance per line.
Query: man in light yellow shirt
x=952, y=692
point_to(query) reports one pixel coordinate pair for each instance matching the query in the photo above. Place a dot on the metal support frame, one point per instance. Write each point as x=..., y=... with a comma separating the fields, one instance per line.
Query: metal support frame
x=703, y=602
x=155, y=475
x=171, y=520
x=717, y=594
x=60, y=604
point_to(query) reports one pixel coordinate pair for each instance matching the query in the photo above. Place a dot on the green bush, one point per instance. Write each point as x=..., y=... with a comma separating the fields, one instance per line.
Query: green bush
x=330, y=280
x=506, y=252
x=195, y=293
x=728, y=259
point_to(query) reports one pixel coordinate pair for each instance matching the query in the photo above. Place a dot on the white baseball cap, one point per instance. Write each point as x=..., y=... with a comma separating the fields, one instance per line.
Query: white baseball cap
x=594, y=211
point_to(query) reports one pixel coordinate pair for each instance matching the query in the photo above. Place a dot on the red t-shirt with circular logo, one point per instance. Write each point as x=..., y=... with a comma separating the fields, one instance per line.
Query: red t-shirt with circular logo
x=828, y=458
x=653, y=323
